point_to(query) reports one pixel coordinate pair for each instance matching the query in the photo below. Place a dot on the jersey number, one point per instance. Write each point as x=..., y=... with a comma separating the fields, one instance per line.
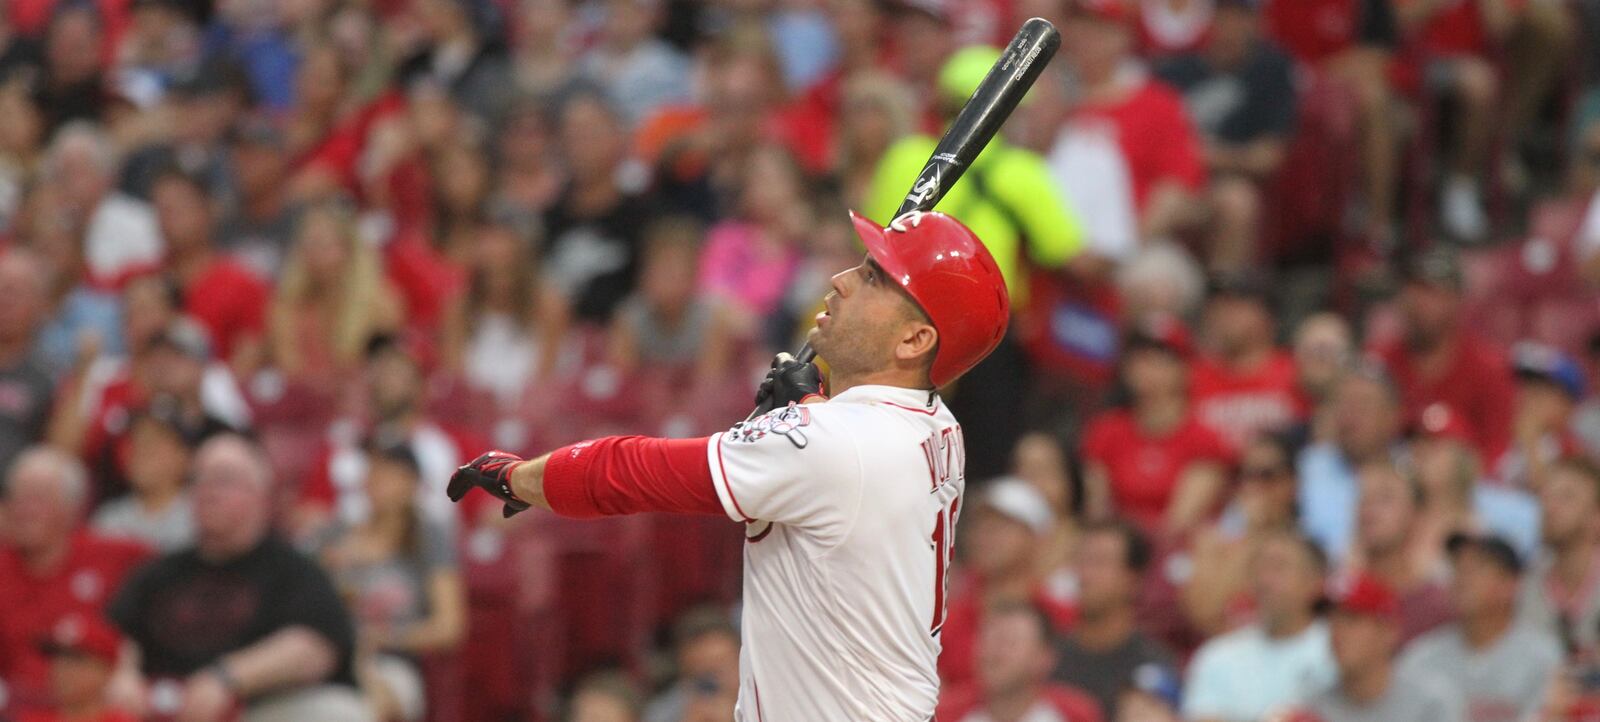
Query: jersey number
x=944, y=541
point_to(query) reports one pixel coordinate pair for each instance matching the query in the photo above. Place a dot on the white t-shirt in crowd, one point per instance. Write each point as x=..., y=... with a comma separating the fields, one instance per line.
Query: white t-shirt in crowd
x=1245, y=674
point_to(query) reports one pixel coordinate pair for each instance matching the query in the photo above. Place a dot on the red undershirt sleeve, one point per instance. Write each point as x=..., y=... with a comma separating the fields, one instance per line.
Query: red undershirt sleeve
x=630, y=474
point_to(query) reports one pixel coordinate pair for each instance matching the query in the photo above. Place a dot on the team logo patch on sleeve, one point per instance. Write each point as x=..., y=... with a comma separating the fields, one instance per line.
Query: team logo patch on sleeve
x=785, y=422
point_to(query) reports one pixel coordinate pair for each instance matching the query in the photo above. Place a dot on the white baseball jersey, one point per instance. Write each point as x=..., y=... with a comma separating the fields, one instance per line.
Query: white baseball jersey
x=850, y=508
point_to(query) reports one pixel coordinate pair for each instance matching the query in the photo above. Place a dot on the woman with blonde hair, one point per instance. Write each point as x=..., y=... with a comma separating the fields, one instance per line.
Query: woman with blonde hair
x=332, y=298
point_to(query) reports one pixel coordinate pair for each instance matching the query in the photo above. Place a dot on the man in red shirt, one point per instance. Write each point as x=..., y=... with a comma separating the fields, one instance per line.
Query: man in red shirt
x=50, y=568
x=1127, y=156
x=1439, y=362
x=1243, y=384
x=1154, y=462
x=222, y=295
x=1015, y=658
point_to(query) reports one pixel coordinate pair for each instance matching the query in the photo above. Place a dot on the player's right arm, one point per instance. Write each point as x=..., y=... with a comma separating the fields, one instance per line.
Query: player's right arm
x=788, y=467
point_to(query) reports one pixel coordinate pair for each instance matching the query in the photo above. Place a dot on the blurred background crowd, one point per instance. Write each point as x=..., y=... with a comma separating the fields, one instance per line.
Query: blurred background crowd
x=1296, y=418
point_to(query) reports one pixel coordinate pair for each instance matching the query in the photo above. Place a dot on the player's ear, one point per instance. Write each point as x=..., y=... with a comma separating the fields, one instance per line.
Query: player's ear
x=918, y=340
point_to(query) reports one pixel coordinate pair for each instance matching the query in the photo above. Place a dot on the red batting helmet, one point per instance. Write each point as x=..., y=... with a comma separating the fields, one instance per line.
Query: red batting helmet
x=951, y=276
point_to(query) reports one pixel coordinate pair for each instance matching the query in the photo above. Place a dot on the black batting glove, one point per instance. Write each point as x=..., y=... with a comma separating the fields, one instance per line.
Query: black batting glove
x=789, y=381
x=490, y=472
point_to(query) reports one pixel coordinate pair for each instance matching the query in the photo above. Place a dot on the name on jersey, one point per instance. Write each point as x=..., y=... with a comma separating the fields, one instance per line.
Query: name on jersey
x=785, y=422
x=946, y=454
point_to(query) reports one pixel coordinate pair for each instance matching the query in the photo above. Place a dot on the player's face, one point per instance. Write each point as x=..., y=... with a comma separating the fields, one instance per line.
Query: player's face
x=865, y=317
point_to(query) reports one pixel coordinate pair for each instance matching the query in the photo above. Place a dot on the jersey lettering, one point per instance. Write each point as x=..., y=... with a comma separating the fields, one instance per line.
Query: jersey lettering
x=944, y=543
x=946, y=454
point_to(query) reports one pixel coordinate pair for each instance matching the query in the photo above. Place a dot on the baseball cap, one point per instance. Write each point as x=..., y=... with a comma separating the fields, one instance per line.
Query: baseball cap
x=1440, y=420
x=1019, y=501
x=1162, y=333
x=1111, y=11
x=1491, y=545
x=83, y=636
x=1436, y=266
x=187, y=337
x=964, y=70
x=1535, y=361
x=1367, y=595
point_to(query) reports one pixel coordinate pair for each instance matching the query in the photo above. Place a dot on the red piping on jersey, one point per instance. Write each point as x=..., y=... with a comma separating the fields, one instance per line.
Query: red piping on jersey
x=756, y=687
x=908, y=408
x=724, y=469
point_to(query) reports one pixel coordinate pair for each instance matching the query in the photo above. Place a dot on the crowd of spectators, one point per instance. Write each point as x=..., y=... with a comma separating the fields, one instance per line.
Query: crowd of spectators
x=1296, y=417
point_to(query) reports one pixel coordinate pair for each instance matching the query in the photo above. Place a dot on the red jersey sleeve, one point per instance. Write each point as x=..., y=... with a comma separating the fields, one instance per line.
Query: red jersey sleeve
x=630, y=474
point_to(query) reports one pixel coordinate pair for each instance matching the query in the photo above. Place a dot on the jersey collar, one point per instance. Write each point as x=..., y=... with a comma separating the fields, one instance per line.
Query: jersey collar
x=921, y=401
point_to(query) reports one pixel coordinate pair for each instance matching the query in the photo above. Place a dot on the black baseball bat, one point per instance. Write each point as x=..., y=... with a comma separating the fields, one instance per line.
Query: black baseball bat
x=1020, y=64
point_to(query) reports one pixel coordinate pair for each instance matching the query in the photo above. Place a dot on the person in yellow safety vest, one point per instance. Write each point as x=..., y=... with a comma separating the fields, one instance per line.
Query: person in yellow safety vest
x=1007, y=197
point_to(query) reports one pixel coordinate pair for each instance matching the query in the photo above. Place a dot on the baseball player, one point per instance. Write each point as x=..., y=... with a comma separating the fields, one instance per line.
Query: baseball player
x=849, y=501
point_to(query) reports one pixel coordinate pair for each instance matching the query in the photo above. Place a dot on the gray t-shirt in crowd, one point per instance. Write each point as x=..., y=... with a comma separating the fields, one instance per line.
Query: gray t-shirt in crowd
x=1104, y=674
x=165, y=530
x=1502, y=683
x=392, y=593
x=1536, y=608
x=1412, y=697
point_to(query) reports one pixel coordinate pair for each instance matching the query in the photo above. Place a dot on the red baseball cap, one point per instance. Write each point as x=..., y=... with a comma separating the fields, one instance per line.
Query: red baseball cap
x=85, y=636
x=1365, y=594
x=1111, y=11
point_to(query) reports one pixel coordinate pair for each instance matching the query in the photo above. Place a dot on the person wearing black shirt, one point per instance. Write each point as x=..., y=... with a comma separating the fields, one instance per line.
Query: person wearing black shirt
x=595, y=227
x=1239, y=91
x=241, y=620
